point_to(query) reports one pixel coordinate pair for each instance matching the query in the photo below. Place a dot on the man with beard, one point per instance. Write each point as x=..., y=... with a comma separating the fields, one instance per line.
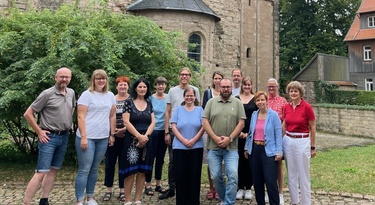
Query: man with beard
x=237, y=78
x=55, y=107
x=223, y=120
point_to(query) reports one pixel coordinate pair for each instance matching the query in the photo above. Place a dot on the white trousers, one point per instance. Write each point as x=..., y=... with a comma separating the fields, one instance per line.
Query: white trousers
x=297, y=153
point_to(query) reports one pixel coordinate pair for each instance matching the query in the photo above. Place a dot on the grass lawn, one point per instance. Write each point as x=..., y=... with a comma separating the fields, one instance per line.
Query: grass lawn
x=339, y=170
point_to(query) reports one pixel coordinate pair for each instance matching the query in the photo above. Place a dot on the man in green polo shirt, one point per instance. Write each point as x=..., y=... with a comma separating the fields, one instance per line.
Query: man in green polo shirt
x=223, y=120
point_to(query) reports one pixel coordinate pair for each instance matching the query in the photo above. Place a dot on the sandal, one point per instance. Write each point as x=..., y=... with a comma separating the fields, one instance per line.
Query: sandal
x=121, y=196
x=107, y=196
x=210, y=194
x=148, y=191
x=160, y=189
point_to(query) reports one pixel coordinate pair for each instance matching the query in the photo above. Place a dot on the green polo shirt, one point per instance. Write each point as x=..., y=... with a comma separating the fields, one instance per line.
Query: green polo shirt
x=223, y=118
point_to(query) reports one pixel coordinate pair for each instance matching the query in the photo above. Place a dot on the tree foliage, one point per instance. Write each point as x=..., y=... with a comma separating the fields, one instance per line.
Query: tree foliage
x=308, y=27
x=34, y=44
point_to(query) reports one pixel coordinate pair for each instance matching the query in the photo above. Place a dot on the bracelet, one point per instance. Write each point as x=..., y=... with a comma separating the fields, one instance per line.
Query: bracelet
x=312, y=147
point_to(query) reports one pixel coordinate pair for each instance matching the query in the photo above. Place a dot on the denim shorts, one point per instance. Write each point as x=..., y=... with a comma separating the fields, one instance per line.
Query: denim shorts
x=51, y=154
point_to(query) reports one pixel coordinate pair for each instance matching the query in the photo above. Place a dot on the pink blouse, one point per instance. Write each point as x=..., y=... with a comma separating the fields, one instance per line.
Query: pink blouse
x=259, y=130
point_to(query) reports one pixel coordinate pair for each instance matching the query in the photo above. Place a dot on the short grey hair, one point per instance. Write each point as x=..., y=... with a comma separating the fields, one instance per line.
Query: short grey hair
x=273, y=80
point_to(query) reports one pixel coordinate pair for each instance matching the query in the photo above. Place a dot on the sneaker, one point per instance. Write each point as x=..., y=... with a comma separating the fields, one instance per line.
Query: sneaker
x=239, y=194
x=248, y=195
x=266, y=199
x=220, y=203
x=91, y=202
x=80, y=203
x=281, y=196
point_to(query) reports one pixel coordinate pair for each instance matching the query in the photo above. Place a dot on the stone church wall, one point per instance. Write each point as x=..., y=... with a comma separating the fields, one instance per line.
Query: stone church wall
x=246, y=37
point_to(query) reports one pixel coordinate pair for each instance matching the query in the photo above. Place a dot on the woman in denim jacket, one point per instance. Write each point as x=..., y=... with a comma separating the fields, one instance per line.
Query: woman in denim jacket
x=263, y=148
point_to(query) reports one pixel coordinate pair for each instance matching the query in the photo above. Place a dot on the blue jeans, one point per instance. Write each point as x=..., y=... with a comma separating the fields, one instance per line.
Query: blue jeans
x=227, y=193
x=52, y=154
x=88, y=165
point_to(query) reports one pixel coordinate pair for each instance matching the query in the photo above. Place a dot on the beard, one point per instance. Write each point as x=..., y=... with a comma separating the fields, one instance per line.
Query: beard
x=225, y=95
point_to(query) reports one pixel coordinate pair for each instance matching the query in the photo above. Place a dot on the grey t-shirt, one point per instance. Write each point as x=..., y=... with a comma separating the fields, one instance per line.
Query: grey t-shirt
x=55, y=109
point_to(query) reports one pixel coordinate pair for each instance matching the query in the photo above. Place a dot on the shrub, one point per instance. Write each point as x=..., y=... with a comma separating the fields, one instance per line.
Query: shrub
x=9, y=151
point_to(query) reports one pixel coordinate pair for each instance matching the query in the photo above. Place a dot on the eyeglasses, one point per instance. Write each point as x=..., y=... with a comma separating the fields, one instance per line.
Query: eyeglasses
x=225, y=87
x=100, y=79
x=185, y=74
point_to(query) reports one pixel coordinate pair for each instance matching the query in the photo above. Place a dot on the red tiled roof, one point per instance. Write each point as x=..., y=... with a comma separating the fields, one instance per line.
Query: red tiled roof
x=355, y=33
x=367, y=6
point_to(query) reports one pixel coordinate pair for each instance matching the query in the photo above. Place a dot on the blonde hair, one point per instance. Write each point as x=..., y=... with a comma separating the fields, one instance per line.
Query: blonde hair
x=244, y=79
x=296, y=85
x=98, y=73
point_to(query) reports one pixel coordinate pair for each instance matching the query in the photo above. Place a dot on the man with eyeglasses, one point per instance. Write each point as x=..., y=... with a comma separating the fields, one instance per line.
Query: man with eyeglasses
x=174, y=99
x=55, y=107
x=223, y=120
x=277, y=103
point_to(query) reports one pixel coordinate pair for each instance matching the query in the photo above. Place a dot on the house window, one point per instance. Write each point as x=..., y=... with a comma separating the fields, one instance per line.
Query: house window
x=367, y=53
x=194, y=50
x=371, y=21
x=369, y=86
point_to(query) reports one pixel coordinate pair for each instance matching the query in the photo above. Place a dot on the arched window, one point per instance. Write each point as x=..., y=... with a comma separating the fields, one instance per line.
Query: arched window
x=248, y=52
x=194, y=49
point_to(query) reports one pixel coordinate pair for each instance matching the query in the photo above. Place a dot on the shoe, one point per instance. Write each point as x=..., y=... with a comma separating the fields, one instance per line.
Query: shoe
x=107, y=196
x=80, y=203
x=239, y=194
x=266, y=199
x=160, y=189
x=248, y=195
x=210, y=194
x=91, y=202
x=281, y=196
x=168, y=194
x=220, y=203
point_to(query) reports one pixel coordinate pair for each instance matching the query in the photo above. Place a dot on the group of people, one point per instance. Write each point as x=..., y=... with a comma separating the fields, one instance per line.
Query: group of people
x=248, y=135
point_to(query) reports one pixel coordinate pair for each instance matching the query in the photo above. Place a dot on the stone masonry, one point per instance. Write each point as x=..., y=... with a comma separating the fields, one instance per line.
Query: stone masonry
x=246, y=37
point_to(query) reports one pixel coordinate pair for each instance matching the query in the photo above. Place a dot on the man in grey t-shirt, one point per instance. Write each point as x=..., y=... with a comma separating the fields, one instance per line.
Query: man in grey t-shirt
x=55, y=106
x=174, y=99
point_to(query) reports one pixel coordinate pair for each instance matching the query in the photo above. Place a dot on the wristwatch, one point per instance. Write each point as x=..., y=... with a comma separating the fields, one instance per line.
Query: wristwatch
x=230, y=139
x=312, y=147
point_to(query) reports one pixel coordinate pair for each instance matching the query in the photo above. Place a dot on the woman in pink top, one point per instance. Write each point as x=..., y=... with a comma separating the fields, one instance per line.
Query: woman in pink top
x=264, y=148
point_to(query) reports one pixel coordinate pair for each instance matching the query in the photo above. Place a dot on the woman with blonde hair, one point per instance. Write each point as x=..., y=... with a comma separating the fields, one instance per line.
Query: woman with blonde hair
x=299, y=127
x=96, y=128
x=245, y=181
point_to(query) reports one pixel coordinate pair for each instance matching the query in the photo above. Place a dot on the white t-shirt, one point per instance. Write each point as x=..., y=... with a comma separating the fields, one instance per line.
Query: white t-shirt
x=99, y=106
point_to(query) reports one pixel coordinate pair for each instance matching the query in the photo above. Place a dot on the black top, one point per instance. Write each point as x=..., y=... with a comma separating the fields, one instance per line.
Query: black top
x=249, y=107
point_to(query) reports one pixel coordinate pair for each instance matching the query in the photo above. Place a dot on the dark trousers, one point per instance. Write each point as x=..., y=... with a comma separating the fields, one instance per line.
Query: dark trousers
x=112, y=155
x=188, y=170
x=244, y=169
x=264, y=172
x=171, y=175
x=158, y=152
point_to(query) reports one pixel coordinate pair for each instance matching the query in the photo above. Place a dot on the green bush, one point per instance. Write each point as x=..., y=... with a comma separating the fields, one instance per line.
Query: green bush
x=9, y=151
x=328, y=93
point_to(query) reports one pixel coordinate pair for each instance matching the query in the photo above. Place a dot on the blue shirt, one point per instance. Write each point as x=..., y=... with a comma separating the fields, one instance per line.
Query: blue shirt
x=188, y=124
x=159, y=105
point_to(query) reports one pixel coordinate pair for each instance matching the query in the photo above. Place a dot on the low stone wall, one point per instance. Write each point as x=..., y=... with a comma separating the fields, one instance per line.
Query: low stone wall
x=346, y=121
